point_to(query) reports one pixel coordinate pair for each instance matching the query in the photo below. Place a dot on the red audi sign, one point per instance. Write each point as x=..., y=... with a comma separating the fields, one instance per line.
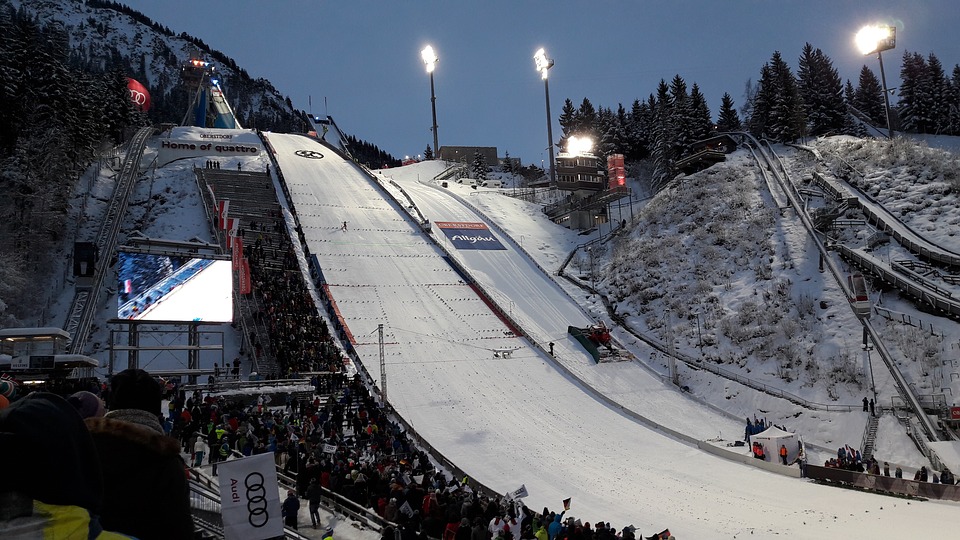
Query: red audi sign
x=138, y=94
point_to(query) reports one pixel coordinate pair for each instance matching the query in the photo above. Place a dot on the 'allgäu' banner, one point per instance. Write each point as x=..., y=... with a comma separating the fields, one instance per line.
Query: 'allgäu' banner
x=468, y=235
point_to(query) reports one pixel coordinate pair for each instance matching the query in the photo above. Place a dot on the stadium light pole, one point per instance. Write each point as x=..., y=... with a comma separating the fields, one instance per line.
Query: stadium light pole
x=430, y=60
x=876, y=39
x=543, y=66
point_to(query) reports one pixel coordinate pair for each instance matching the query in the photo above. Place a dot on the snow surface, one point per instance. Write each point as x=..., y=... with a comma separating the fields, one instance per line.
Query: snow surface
x=529, y=419
x=524, y=419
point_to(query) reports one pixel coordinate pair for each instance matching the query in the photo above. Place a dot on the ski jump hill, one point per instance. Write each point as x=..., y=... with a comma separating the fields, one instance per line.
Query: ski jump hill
x=524, y=417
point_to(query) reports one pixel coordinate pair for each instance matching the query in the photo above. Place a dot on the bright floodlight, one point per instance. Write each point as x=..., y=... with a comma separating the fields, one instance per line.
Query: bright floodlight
x=579, y=145
x=429, y=58
x=871, y=39
x=542, y=62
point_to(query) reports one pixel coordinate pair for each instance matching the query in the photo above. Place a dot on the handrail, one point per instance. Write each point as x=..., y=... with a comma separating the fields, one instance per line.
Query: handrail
x=831, y=265
x=85, y=302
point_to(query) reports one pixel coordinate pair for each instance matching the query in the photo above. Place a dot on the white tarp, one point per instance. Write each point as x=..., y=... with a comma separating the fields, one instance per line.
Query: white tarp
x=772, y=439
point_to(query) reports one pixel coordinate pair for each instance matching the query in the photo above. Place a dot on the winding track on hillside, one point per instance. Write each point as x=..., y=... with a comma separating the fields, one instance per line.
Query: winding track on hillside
x=774, y=165
x=86, y=298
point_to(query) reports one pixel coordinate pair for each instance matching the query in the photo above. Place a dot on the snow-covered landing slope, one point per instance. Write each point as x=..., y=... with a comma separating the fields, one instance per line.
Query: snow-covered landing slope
x=509, y=421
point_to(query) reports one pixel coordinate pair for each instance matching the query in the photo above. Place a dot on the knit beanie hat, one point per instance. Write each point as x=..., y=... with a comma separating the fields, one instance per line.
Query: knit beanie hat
x=135, y=389
x=87, y=404
x=49, y=454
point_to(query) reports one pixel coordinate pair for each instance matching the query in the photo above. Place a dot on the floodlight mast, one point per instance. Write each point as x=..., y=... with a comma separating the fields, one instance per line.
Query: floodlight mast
x=430, y=60
x=543, y=64
x=876, y=39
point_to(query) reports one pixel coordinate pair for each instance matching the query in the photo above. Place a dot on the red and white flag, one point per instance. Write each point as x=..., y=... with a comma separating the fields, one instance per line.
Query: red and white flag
x=232, y=229
x=223, y=209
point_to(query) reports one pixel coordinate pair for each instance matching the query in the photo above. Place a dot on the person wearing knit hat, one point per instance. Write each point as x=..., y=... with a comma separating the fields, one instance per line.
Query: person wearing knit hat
x=135, y=389
x=145, y=484
x=88, y=404
x=54, y=490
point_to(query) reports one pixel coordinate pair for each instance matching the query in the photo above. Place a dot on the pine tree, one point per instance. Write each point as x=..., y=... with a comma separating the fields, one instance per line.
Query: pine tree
x=778, y=110
x=622, y=123
x=702, y=125
x=663, y=139
x=914, y=106
x=953, y=103
x=757, y=110
x=638, y=129
x=507, y=163
x=568, y=122
x=586, y=125
x=479, y=166
x=868, y=97
x=609, y=141
x=939, y=108
x=821, y=92
x=728, y=120
x=428, y=153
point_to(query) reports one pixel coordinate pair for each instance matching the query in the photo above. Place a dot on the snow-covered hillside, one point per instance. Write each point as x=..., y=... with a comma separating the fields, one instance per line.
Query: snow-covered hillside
x=104, y=38
x=166, y=206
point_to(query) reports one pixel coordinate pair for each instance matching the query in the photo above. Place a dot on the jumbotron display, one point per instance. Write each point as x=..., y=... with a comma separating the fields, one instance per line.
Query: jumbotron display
x=173, y=288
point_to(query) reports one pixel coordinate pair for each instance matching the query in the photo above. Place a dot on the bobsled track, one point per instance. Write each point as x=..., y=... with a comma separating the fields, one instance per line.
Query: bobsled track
x=526, y=418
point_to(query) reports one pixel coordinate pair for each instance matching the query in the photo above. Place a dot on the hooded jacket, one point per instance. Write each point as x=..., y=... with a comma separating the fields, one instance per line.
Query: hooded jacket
x=54, y=489
x=145, y=482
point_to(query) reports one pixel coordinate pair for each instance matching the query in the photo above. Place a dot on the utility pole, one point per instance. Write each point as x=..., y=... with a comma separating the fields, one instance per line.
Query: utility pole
x=671, y=361
x=383, y=366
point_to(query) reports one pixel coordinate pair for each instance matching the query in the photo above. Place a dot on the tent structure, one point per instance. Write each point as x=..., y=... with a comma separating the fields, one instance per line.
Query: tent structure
x=772, y=438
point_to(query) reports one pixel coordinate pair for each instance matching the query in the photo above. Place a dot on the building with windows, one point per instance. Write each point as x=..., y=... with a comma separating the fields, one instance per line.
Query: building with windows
x=464, y=154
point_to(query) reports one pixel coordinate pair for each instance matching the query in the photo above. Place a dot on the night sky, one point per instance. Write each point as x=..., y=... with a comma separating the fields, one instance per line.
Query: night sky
x=359, y=60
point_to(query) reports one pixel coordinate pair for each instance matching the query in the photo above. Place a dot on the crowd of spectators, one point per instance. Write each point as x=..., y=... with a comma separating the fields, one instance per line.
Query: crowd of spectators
x=299, y=339
x=349, y=446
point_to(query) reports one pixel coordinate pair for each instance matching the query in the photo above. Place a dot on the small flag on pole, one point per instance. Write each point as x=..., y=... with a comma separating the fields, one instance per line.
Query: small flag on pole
x=518, y=493
x=566, y=504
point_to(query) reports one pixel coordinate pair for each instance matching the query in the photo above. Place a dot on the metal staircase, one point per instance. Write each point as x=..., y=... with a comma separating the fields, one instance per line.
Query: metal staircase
x=869, y=437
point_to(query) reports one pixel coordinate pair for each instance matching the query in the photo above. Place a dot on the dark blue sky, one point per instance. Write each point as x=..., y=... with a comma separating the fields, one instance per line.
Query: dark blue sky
x=363, y=56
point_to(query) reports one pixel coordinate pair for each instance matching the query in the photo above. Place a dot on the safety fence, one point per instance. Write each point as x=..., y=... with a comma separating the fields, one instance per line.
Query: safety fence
x=885, y=484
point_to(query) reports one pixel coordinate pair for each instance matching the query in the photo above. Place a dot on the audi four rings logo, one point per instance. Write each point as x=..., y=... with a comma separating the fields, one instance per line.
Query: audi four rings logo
x=309, y=154
x=257, y=514
x=137, y=97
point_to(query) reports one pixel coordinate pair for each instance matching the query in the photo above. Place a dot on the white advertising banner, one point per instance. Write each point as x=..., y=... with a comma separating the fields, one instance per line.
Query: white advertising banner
x=250, y=498
x=191, y=142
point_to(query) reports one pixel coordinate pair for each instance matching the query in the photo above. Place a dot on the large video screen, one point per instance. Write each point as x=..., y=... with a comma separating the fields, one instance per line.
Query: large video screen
x=173, y=288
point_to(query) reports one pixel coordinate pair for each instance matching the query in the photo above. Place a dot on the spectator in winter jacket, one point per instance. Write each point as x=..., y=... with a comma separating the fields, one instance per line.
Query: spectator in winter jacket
x=464, y=531
x=55, y=489
x=145, y=482
x=390, y=511
x=539, y=531
x=289, y=509
x=314, y=493
x=554, y=529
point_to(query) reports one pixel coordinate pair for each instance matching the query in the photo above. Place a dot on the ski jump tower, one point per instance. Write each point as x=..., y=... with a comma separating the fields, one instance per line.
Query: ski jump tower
x=208, y=107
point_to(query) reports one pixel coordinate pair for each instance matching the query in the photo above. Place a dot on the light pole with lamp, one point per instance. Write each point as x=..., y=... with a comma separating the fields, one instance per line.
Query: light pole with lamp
x=699, y=334
x=543, y=66
x=671, y=360
x=593, y=277
x=430, y=60
x=876, y=39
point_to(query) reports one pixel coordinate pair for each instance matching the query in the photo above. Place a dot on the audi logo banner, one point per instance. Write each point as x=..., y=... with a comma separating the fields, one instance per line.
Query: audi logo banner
x=250, y=498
